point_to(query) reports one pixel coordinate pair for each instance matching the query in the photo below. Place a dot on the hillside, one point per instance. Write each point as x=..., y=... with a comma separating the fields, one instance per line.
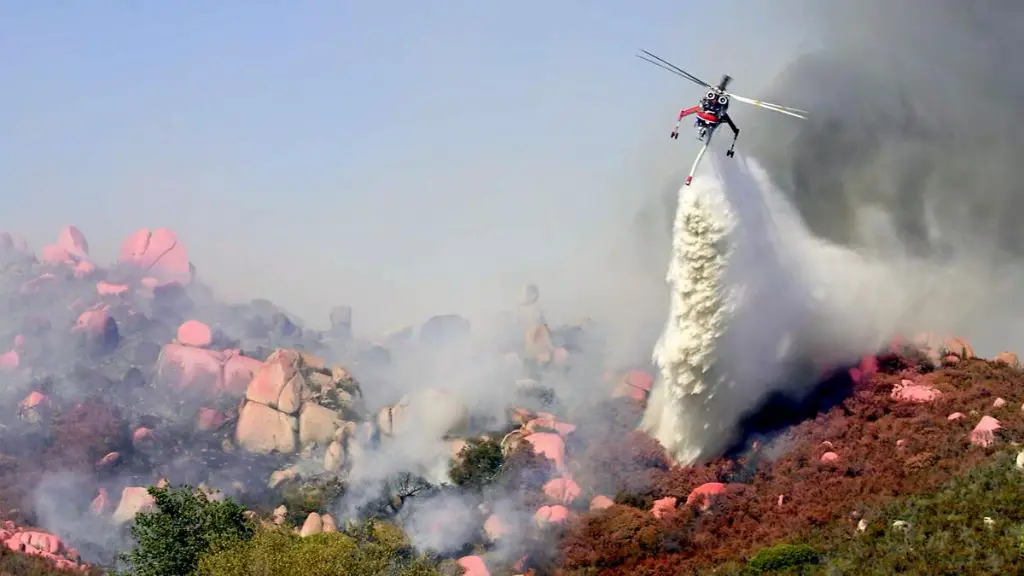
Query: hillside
x=264, y=439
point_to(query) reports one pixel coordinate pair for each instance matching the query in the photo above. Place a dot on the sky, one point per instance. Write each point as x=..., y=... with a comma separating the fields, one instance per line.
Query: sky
x=405, y=158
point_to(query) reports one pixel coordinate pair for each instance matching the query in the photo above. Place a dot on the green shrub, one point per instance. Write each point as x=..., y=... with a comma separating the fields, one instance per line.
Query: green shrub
x=782, y=557
x=369, y=551
x=301, y=498
x=947, y=532
x=479, y=465
x=185, y=524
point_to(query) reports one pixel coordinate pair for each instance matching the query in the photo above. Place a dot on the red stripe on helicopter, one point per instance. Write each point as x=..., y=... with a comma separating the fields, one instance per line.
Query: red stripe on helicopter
x=707, y=116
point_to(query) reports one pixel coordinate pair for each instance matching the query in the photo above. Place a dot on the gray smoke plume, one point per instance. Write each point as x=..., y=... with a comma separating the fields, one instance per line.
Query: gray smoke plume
x=916, y=125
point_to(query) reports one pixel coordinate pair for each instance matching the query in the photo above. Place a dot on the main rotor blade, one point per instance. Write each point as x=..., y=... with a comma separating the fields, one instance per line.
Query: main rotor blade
x=661, y=62
x=666, y=68
x=795, y=112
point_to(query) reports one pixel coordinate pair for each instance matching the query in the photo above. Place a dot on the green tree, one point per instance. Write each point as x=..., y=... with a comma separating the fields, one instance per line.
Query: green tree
x=479, y=464
x=185, y=524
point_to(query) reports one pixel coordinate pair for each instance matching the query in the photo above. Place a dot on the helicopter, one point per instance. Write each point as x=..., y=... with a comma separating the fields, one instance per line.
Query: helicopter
x=713, y=109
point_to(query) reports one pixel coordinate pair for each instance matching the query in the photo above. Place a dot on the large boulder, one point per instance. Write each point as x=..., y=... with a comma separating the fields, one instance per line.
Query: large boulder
x=294, y=400
x=158, y=256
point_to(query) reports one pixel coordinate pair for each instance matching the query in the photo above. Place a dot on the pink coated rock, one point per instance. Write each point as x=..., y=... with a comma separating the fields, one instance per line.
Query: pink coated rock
x=54, y=254
x=984, y=433
x=36, y=284
x=473, y=566
x=663, y=506
x=227, y=372
x=159, y=254
x=780, y=500
x=639, y=379
x=10, y=360
x=907, y=391
x=901, y=443
x=549, y=445
x=192, y=366
x=999, y=403
x=35, y=399
x=108, y=289
x=829, y=458
x=494, y=527
x=708, y=491
x=110, y=460
x=208, y=419
x=955, y=416
x=194, y=333
x=142, y=436
x=564, y=490
x=561, y=428
x=42, y=545
x=93, y=321
x=72, y=241
x=101, y=503
x=84, y=269
x=554, y=514
x=238, y=372
x=635, y=394
x=600, y=502
x=40, y=541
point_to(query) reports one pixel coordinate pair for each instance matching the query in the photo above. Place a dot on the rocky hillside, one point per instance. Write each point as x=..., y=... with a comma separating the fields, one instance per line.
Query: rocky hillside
x=153, y=430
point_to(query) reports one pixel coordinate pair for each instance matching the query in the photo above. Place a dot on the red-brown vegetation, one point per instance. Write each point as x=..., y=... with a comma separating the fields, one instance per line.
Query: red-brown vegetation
x=83, y=435
x=873, y=468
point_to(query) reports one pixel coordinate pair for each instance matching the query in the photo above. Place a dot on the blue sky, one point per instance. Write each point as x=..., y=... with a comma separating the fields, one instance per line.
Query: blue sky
x=404, y=157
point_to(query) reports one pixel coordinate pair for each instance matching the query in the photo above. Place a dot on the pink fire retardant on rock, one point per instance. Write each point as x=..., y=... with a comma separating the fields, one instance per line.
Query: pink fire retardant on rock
x=10, y=360
x=72, y=241
x=159, y=254
x=473, y=566
x=663, y=506
x=71, y=248
x=554, y=514
x=108, y=289
x=34, y=399
x=635, y=385
x=42, y=544
x=564, y=490
x=984, y=434
x=600, y=502
x=84, y=270
x=495, y=527
x=549, y=445
x=94, y=320
x=544, y=423
x=707, y=491
x=829, y=458
x=194, y=333
x=226, y=371
x=955, y=416
x=101, y=503
x=208, y=419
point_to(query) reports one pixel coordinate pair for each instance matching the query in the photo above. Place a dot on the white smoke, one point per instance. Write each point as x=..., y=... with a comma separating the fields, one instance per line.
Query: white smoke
x=759, y=305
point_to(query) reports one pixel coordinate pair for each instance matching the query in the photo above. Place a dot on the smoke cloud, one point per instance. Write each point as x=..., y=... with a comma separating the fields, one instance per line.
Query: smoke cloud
x=912, y=144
